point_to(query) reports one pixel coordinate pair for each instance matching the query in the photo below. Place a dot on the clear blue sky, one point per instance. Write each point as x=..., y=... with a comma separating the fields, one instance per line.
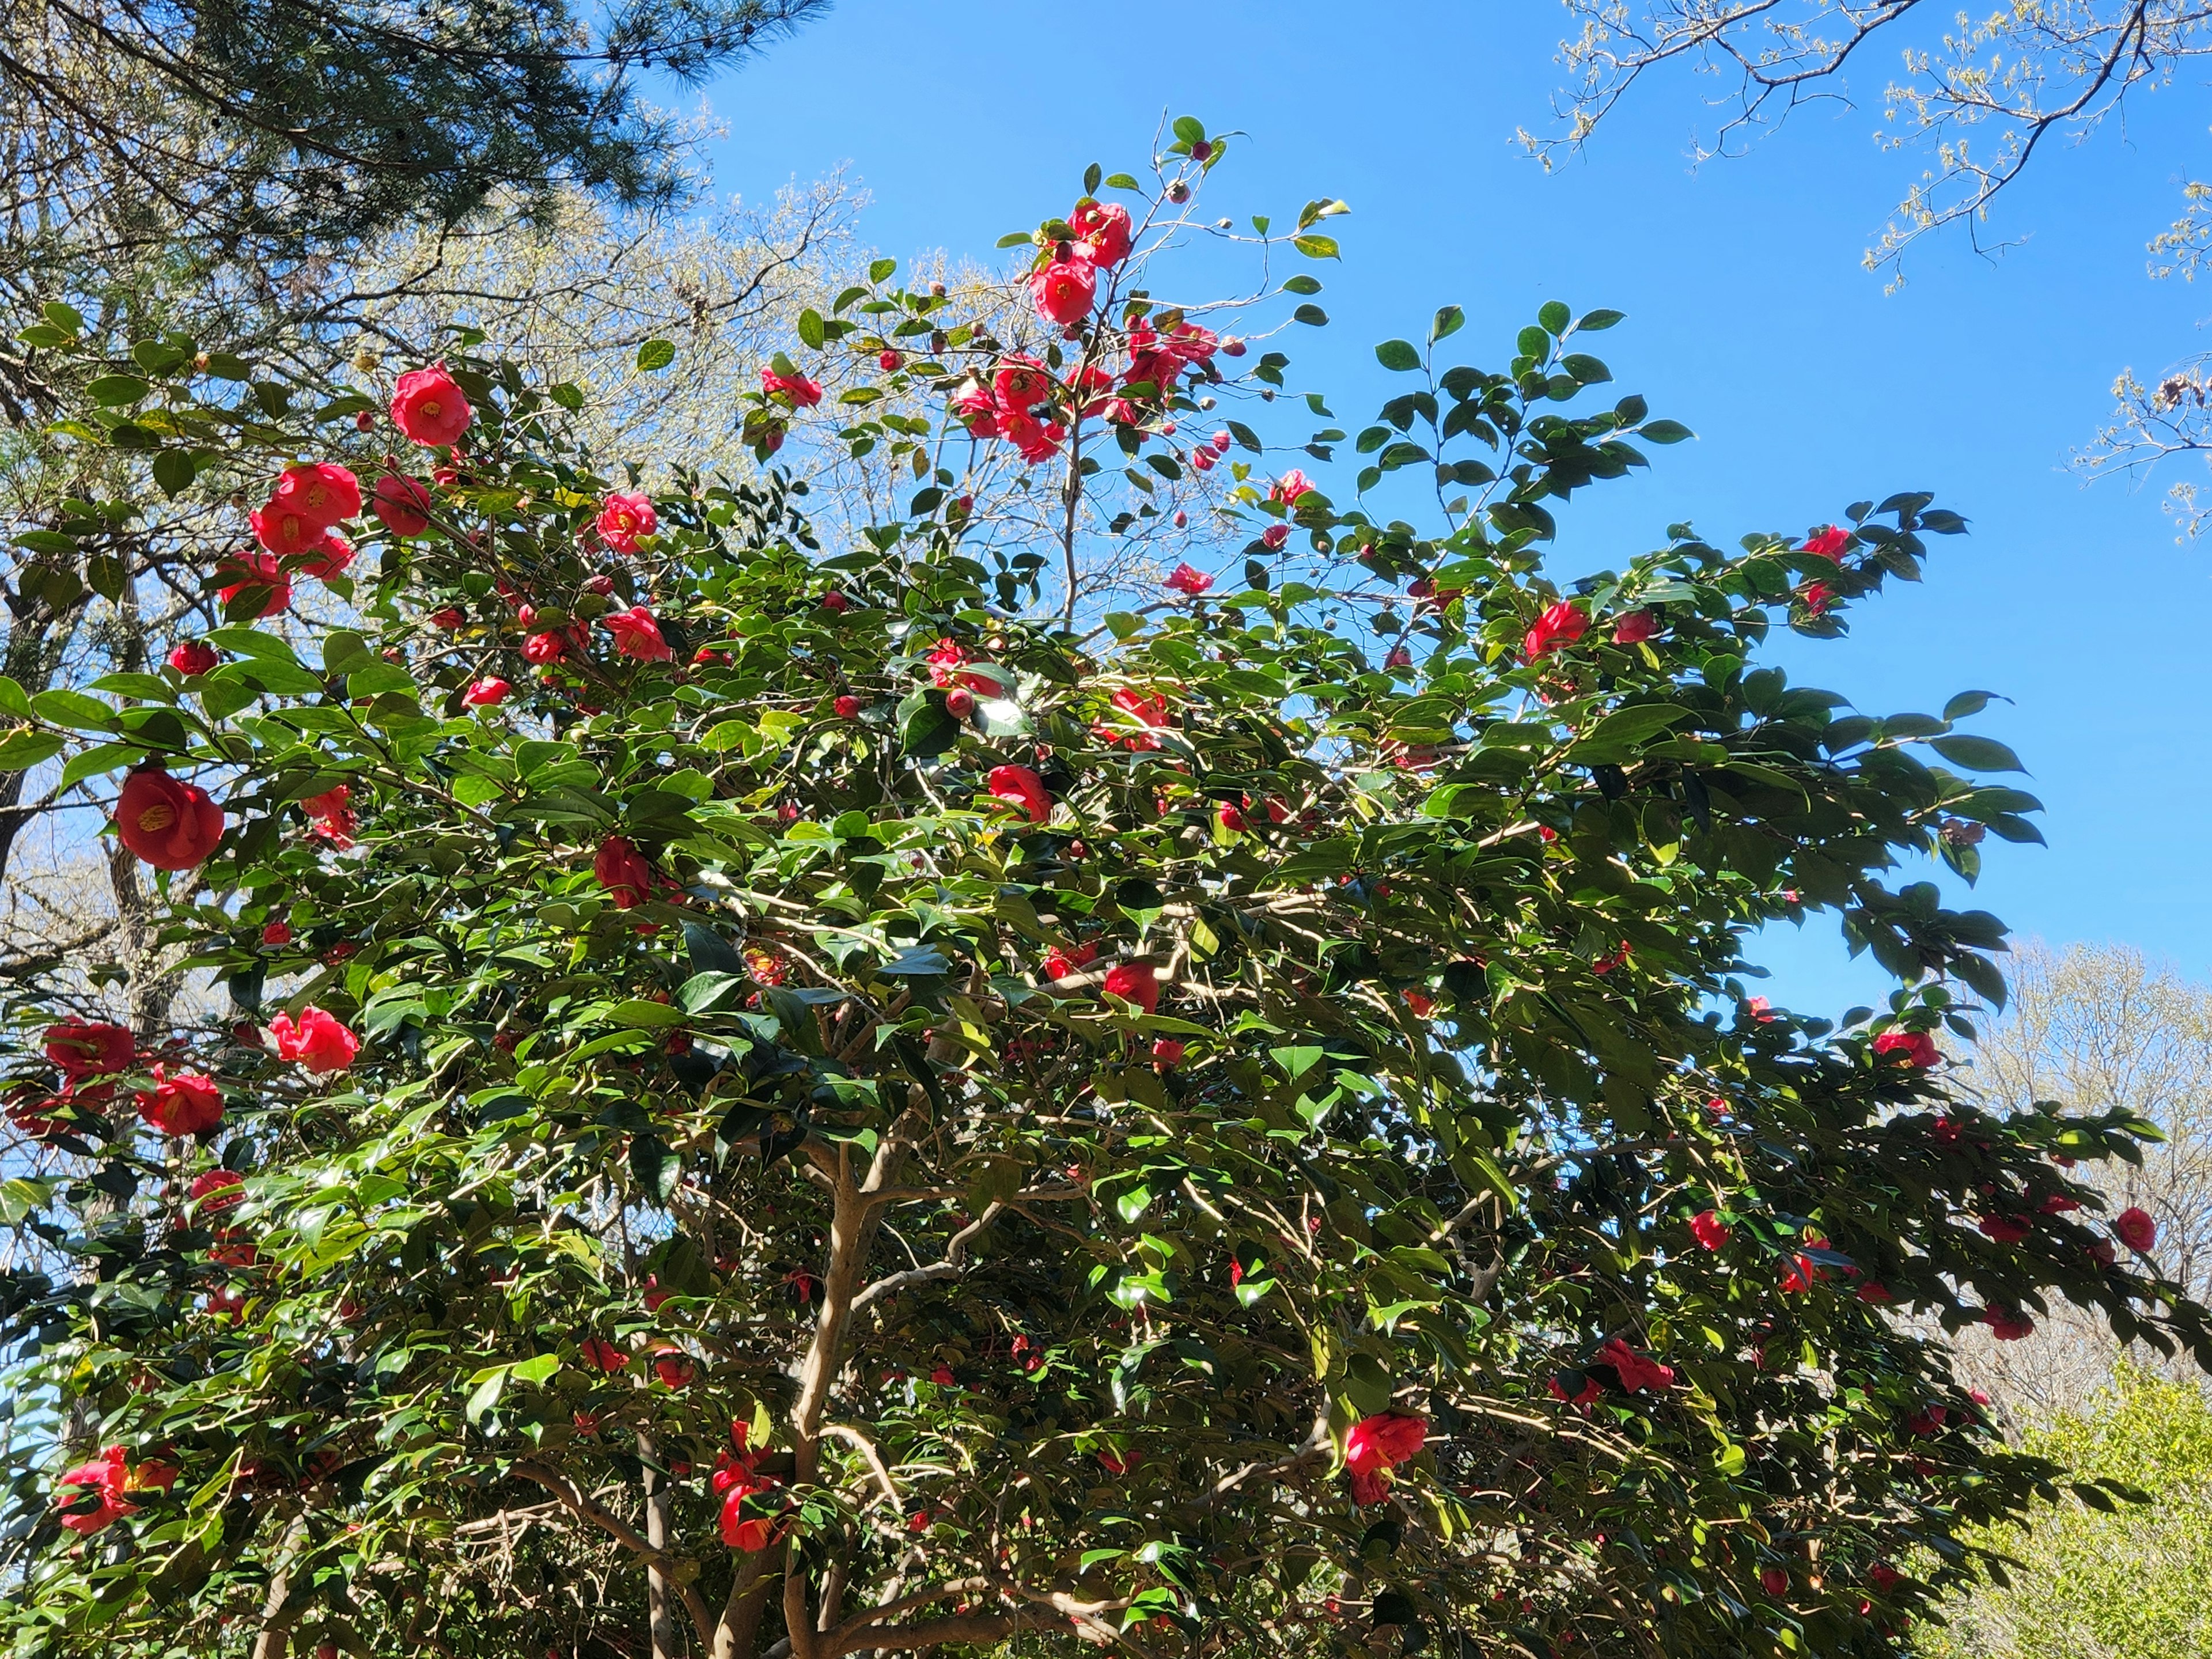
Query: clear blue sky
x=1750, y=320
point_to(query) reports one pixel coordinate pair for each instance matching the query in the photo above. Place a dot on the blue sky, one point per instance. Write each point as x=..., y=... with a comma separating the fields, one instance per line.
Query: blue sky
x=1750, y=318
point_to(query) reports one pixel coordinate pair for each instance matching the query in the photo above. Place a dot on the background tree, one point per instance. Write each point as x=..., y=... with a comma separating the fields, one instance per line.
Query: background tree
x=1977, y=96
x=802, y=1097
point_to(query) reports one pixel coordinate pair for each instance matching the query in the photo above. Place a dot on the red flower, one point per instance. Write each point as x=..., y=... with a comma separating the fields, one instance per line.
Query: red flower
x=2102, y=1253
x=1884, y=1577
x=1184, y=580
x=975, y=408
x=889, y=361
x=1562, y=625
x=448, y=617
x=1063, y=291
x=487, y=693
x=1635, y=626
x=946, y=658
x=1059, y=964
x=328, y=557
x=541, y=648
x=1709, y=1230
x=1422, y=1003
x=196, y=657
x=2008, y=1325
x=1926, y=1422
x=1637, y=1371
x=1774, y=1581
x=1378, y=1444
x=767, y=966
x=1149, y=714
x=1120, y=1462
x=2003, y=1229
x=238, y=571
x=1104, y=230
x=83, y=1050
x=1819, y=598
x=321, y=492
x=1828, y=543
x=102, y=1481
x=284, y=531
x=1605, y=964
x=1023, y=786
x=1287, y=488
x=673, y=1368
x=598, y=1351
x=753, y=1533
x=802, y=392
x=332, y=817
x=837, y=602
x=1584, y=1397
x=1875, y=1293
x=1135, y=983
x=1168, y=1053
x=1275, y=537
x=277, y=933
x=317, y=1040
x=623, y=519
x=166, y=822
x=1918, y=1048
x=959, y=703
x=1036, y=439
x=848, y=707
x=636, y=634
x=1019, y=384
x=429, y=407
x=401, y=505
x=187, y=1103
x=623, y=871
x=1231, y=818
x=216, y=1190
x=2136, y=1229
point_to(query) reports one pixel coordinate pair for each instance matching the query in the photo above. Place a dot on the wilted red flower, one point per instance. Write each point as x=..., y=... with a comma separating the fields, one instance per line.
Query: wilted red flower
x=1023, y=786
x=623, y=519
x=1709, y=1230
x=1135, y=983
x=322, y=492
x=637, y=635
x=317, y=1040
x=1637, y=1371
x=598, y=1351
x=1561, y=625
x=185, y=1104
x=2136, y=1229
x=1104, y=230
x=1918, y=1048
x=83, y=1049
x=401, y=505
x=428, y=405
x=1185, y=579
x=166, y=822
x=332, y=816
x=194, y=657
x=1064, y=290
x=1774, y=1581
x=623, y=871
x=1635, y=626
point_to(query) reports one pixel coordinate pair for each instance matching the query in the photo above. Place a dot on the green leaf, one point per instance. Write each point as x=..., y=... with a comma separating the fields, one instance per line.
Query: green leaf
x=112, y=391
x=1189, y=129
x=537, y=1369
x=1311, y=316
x=654, y=356
x=656, y=1170
x=639, y=1014
x=100, y=758
x=1398, y=355
x=810, y=328
x=568, y=394
x=173, y=471
x=1664, y=432
x=1590, y=321
x=1977, y=753
x=1302, y=283
x=1553, y=317
x=489, y=1384
x=879, y=270
x=66, y=318
x=21, y=751
x=1450, y=320
x=62, y=706
x=1316, y=247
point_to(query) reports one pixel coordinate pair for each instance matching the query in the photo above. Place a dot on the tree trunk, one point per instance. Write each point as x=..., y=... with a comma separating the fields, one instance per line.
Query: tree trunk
x=660, y=1596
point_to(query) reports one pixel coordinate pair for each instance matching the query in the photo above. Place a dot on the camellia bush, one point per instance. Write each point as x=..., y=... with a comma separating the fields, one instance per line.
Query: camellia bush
x=794, y=1097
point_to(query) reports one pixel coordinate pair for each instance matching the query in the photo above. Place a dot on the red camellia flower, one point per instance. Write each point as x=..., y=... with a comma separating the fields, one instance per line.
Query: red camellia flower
x=316, y=1040
x=284, y=531
x=736, y=1480
x=1149, y=714
x=238, y=571
x=598, y=1351
x=2003, y=1229
x=2008, y=1325
x=166, y=822
x=1231, y=818
x=623, y=871
x=541, y=648
x=429, y=407
x=2136, y=1229
x=322, y=492
x=195, y=656
x=673, y=1368
x=1637, y=1371
x=1023, y=786
x=1828, y=543
x=1819, y=598
x=186, y=1104
x=637, y=635
x=1774, y=1581
x=277, y=933
x=1562, y=625
x=2102, y=1253
x=1135, y=983
x=1287, y=488
x=1918, y=1048
x=959, y=703
x=216, y=1190
x=623, y=519
x=1168, y=1053
x=401, y=505
x=1378, y=1444
x=835, y=603
x=1064, y=290
x=848, y=707
x=1883, y=1577
x=1059, y=964
x=1874, y=1293
x=487, y=693
x=889, y=361
x=1635, y=626
x=1709, y=1230
x=802, y=392
x=327, y=558
x=447, y=617
x=332, y=816
x=1104, y=230
x=975, y=408
x=1019, y=384
x=91, y=1494
x=84, y=1049
x=1184, y=580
